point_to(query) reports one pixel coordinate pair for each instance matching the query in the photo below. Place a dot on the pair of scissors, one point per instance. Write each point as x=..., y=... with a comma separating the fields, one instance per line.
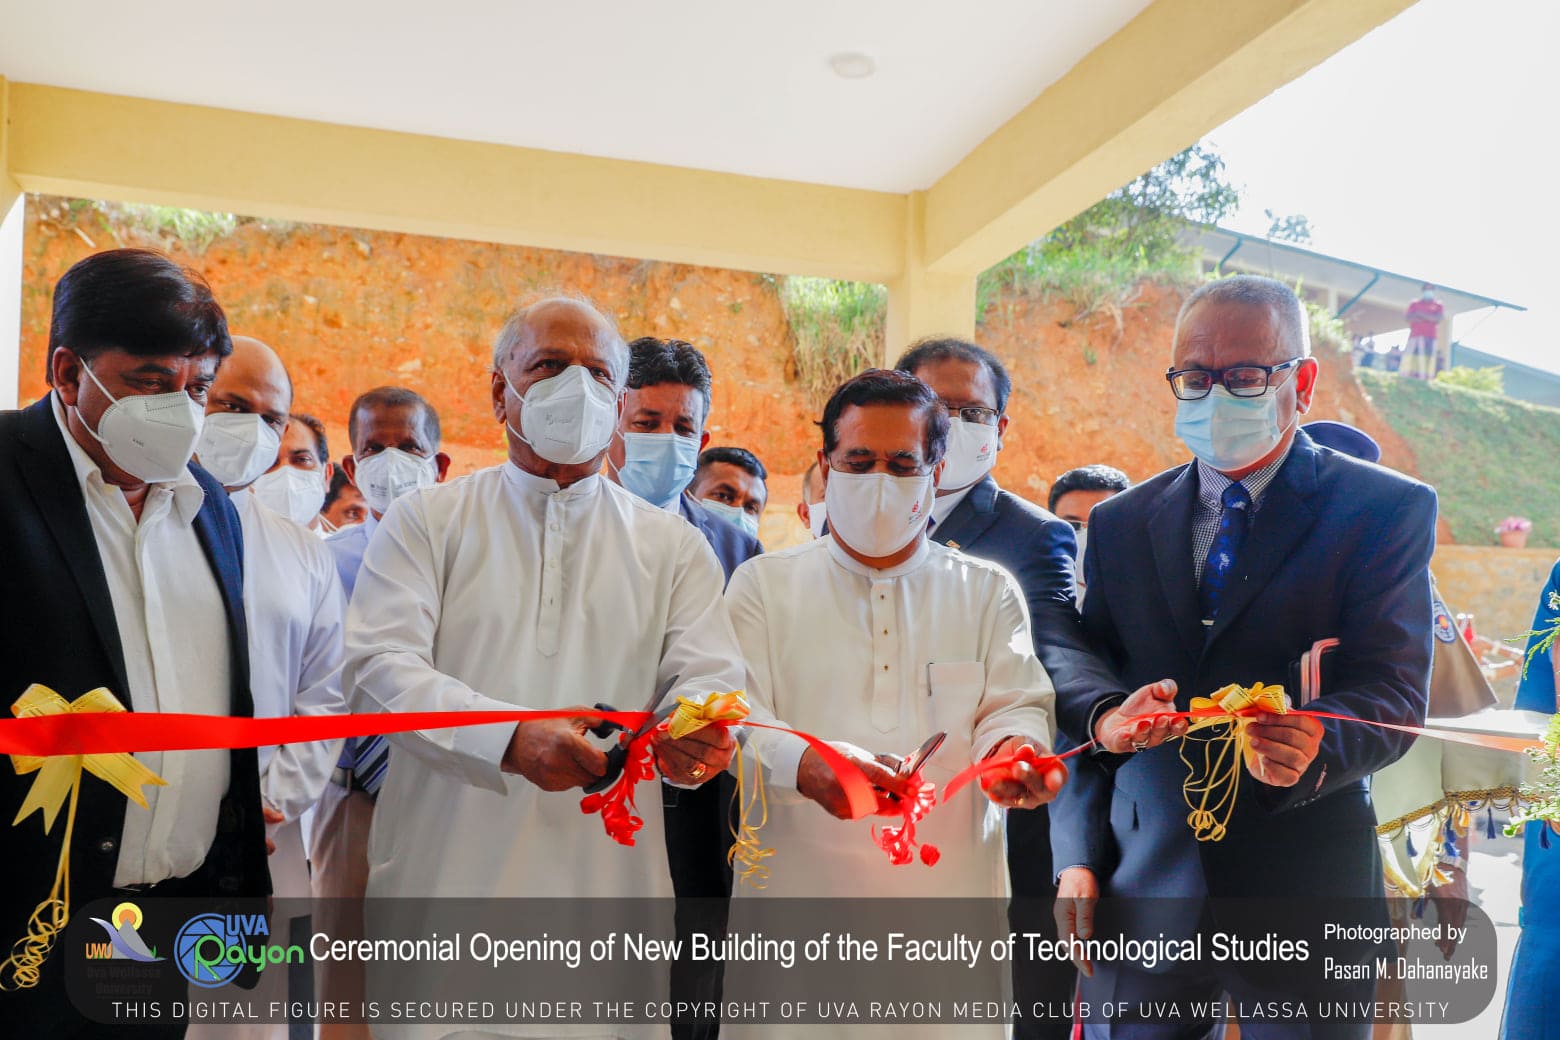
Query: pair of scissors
x=617, y=756
x=911, y=764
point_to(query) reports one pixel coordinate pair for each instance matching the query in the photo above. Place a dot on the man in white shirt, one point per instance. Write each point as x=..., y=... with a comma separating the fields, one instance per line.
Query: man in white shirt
x=123, y=570
x=876, y=636
x=933, y=641
x=534, y=584
x=295, y=609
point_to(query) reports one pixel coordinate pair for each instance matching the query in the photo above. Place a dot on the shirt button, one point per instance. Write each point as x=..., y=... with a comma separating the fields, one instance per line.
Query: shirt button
x=885, y=668
x=554, y=526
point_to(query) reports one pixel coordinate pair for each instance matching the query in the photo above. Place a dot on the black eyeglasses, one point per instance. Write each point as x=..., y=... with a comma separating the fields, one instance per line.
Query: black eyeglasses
x=1193, y=384
x=973, y=414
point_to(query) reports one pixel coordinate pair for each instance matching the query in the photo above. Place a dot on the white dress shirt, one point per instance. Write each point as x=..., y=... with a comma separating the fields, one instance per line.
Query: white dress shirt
x=944, y=505
x=296, y=610
x=883, y=659
x=173, y=630
x=497, y=591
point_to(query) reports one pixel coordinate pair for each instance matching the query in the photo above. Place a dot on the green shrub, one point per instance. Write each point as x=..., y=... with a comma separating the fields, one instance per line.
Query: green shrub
x=838, y=329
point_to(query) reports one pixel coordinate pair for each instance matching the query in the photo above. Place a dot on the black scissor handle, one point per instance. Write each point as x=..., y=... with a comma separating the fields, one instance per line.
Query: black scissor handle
x=616, y=759
x=606, y=727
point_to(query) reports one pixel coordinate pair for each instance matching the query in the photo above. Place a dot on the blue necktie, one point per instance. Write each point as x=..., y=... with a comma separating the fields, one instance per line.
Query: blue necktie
x=1233, y=522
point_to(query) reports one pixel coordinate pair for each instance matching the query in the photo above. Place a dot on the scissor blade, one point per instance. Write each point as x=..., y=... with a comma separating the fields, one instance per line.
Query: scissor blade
x=657, y=717
x=912, y=765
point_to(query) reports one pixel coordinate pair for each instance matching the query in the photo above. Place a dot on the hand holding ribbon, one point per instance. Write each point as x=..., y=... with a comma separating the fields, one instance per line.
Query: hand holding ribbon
x=1141, y=721
x=1019, y=777
x=824, y=782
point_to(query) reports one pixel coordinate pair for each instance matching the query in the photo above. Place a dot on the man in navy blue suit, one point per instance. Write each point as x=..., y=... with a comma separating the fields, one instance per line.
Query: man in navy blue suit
x=972, y=514
x=123, y=570
x=1225, y=570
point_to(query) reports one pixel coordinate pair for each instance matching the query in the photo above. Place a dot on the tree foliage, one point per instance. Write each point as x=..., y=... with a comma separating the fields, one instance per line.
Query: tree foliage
x=1098, y=259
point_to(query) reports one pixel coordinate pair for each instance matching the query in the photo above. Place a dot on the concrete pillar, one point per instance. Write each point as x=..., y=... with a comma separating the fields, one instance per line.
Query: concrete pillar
x=922, y=302
x=10, y=296
x=12, y=207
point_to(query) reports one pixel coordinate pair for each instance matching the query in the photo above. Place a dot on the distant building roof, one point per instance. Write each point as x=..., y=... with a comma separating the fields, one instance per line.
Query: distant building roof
x=1368, y=299
x=1523, y=382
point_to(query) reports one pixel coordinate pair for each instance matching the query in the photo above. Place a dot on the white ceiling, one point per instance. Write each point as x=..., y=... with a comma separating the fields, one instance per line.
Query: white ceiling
x=729, y=85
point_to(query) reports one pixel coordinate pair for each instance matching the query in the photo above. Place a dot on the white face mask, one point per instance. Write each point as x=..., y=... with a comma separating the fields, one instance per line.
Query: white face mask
x=149, y=436
x=296, y=493
x=817, y=513
x=385, y=477
x=732, y=515
x=972, y=450
x=236, y=447
x=877, y=514
x=567, y=418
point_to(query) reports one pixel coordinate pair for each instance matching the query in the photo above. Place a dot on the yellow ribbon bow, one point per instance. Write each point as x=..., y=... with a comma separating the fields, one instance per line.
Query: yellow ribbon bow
x=1212, y=783
x=59, y=778
x=747, y=855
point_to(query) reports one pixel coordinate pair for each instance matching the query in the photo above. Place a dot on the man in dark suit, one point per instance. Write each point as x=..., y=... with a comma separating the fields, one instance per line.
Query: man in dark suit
x=972, y=514
x=123, y=571
x=1226, y=570
x=655, y=455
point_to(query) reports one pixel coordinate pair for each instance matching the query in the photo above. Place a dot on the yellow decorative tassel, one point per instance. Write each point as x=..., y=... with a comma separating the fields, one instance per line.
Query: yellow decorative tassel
x=1213, y=749
x=59, y=779
x=747, y=855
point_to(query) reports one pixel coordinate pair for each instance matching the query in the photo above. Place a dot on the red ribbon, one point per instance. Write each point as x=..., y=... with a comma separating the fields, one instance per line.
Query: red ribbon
x=99, y=733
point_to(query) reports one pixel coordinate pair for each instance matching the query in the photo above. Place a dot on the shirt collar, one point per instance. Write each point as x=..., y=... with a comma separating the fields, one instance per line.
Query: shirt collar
x=943, y=506
x=855, y=566
x=188, y=495
x=531, y=484
x=1211, y=483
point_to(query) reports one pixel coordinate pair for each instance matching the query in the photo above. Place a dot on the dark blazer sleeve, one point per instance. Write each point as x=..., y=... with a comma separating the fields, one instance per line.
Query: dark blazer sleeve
x=1079, y=674
x=1383, y=660
x=1080, y=815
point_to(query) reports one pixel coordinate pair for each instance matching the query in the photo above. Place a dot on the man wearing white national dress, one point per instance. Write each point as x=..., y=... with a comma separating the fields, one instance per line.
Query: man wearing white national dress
x=534, y=584
x=876, y=636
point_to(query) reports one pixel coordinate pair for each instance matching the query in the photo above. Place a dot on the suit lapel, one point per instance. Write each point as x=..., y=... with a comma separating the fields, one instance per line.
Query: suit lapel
x=1282, y=520
x=51, y=479
x=1170, y=536
x=970, y=518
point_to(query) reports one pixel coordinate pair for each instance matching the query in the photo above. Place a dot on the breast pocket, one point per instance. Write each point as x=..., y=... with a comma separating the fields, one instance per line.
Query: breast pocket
x=954, y=689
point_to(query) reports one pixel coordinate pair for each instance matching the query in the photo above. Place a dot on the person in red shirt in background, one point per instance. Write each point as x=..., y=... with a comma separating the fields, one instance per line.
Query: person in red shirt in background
x=1424, y=315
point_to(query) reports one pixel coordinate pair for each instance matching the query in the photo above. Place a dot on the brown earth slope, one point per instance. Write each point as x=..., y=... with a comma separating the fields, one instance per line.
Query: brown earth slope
x=351, y=309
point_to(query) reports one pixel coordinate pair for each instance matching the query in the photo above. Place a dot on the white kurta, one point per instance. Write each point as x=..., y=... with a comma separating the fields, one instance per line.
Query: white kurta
x=884, y=659
x=296, y=612
x=497, y=591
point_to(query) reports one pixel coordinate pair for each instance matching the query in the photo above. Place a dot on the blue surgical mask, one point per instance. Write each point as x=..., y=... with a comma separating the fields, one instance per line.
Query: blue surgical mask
x=732, y=515
x=1229, y=432
x=657, y=466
